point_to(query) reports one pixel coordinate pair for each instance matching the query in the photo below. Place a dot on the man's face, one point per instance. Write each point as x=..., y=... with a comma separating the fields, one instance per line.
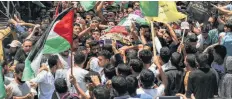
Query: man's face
x=96, y=35
x=166, y=37
x=88, y=18
x=65, y=53
x=102, y=61
x=136, y=6
x=75, y=43
x=95, y=49
x=111, y=24
x=110, y=15
x=27, y=45
x=95, y=22
x=76, y=29
x=226, y=29
x=13, y=49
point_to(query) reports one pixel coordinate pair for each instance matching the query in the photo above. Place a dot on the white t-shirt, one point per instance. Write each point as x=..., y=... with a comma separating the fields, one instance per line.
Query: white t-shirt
x=152, y=92
x=46, y=86
x=94, y=65
x=61, y=73
x=79, y=74
x=20, y=90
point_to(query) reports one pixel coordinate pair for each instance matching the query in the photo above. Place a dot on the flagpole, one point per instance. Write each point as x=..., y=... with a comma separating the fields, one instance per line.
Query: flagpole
x=71, y=60
x=183, y=34
x=153, y=38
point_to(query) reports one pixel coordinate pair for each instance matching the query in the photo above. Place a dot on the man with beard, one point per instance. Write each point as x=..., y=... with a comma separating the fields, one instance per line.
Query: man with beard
x=23, y=52
x=20, y=89
x=10, y=53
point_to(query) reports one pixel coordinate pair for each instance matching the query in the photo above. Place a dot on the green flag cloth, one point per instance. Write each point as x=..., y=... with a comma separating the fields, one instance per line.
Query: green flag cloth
x=87, y=5
x=2, y=87
x=150, y=8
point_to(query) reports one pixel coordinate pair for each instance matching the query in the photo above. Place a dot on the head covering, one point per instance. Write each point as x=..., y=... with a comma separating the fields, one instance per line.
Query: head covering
x=15, y=43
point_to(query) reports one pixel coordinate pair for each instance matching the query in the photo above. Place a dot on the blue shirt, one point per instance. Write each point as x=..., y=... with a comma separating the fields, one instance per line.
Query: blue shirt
x=229, y=7
x=227, y=42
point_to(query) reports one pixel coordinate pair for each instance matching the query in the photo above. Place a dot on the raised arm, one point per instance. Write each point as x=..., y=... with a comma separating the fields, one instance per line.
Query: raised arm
x=172, y=33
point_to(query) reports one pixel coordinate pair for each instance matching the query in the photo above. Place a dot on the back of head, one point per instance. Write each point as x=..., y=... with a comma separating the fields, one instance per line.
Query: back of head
x=79, y=58
x=61, y=85
x=145, y=56
x=131, y=54
x=93, y=43
x=109, y=71
x=19, y=68
x=147, y=78
x=101, y=92
x=202, y=60
x=136, y=65
x=52, y=60
x=119, y=84
x=165, y=54
x=107, y=47
x=123, y=70
x=106, y=54
x=191, y=59
x=88, y=76
x=132, y=84
x=175, y=59
x=219, y=54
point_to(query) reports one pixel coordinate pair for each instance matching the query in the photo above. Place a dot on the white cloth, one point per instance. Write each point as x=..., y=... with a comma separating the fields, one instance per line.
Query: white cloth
x=45, y=82
x=152, y=92
x=79, y=74
x=166, y=65
x=61, y=73
x=94, y=65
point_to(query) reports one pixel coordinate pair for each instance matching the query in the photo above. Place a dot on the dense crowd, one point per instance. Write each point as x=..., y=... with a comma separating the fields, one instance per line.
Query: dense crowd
x=191, y=63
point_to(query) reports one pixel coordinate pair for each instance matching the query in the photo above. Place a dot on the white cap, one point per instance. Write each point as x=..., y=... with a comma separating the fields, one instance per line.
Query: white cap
x=15, y=43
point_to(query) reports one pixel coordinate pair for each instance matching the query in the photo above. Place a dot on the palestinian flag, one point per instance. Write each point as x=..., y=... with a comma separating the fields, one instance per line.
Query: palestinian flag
x=2, y=87
x=57, y=38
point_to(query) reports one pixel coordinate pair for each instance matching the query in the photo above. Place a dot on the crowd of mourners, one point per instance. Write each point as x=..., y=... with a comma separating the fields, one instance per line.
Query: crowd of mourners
x=200, y=67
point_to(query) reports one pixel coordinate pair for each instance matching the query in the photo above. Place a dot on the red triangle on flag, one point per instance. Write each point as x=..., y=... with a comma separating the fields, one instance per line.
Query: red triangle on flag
x=64, y=27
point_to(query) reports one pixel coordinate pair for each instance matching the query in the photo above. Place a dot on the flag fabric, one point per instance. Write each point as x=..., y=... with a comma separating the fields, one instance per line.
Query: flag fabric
x=88, y=5
x=39, y=4
x=57, y=38
x=119, y=29
x=167, y=13
x=2, y=87
x=57, y=10
x=132, y=17
x=149, y=8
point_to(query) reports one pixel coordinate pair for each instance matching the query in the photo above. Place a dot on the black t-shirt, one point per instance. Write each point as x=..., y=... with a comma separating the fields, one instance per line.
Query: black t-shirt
x=202, y=83
x=20, y=55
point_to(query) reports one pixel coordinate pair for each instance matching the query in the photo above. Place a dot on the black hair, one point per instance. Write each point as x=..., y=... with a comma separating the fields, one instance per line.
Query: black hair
x=220, y=52
x=147, y=78
x=52, y=60
x=81, y=48
x=96, y=18
x=165, y=54
x=101, y=92
x=145, y=56
x=132, y=85
x=76, y=24
x=109, y=71
x=61, y=85
x=119, y=83
x=202, y=60
x=19, y=68
x=93, y=43
x=191, y=59
x=124, y=70
x=175, y=59
x=79, y=58
x=106, y=54
x=229, y=25
x=136, y=65
x=131, y=54
x=95, y=30
x=88, y=76
x=107, y=47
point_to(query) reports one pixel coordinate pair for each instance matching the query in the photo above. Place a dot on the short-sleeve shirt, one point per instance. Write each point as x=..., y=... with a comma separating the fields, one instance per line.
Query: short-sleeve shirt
x=227, y=42
x=152, y=92
x=20, y=90
x=45, y=81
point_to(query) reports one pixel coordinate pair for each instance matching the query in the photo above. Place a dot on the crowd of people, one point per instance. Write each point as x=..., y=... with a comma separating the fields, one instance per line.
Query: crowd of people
x=197, y=67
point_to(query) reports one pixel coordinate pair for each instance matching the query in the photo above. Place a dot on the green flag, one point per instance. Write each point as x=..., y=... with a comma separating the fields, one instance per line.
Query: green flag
x=150, y=8
x=2, y=87
x=87, y=5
